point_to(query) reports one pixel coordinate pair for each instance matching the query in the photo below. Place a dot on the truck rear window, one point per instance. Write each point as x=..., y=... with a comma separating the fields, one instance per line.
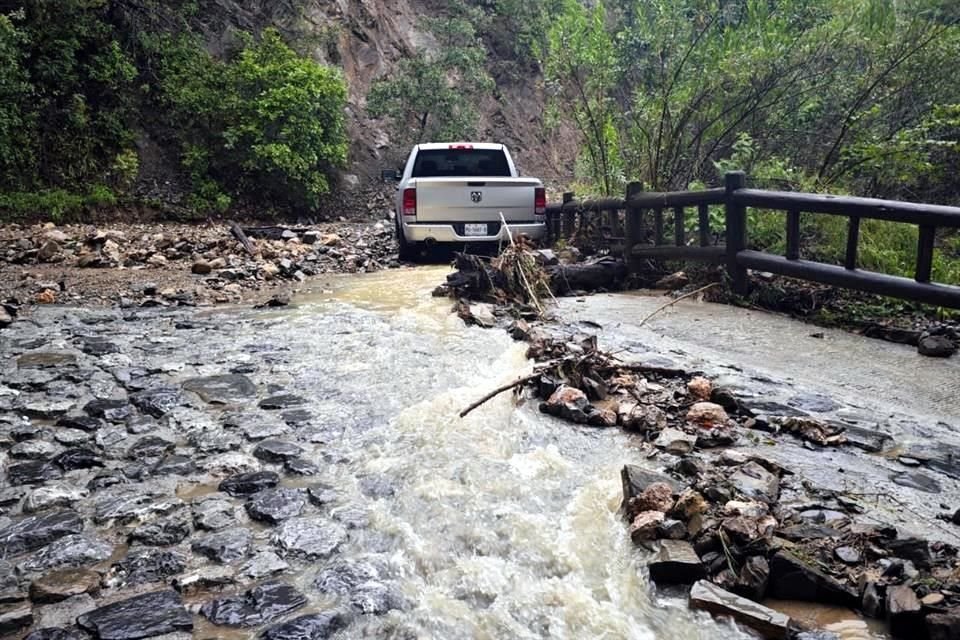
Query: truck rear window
x=468, y=163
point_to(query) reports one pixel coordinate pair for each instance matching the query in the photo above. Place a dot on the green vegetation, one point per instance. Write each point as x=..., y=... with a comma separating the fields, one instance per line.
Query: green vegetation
x=81, y=80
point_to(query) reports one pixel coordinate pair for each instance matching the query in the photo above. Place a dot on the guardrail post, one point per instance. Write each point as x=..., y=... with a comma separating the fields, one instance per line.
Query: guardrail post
x=736, y=215
x=633, y=222
x=566, y=224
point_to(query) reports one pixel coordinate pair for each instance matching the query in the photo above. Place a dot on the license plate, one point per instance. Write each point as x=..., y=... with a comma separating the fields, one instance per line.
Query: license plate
x=474, y=229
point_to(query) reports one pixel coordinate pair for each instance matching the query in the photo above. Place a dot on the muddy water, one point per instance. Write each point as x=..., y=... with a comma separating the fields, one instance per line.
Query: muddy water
x=500, y=525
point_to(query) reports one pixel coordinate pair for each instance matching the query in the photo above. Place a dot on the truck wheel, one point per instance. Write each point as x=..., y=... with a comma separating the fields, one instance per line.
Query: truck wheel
x=408, y=251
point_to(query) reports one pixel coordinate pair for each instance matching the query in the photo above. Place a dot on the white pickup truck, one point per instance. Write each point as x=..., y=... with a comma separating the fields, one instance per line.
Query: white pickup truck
x=456, y=193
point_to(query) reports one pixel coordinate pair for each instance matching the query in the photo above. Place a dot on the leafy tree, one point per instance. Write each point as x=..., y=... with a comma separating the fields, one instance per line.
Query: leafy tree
x=17, y=157
x=434, y=94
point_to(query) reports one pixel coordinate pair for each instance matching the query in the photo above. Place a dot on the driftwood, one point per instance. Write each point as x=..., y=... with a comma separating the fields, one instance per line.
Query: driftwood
x=241, y=237
x=273, y=232
x=501, y=389
x=601, y=273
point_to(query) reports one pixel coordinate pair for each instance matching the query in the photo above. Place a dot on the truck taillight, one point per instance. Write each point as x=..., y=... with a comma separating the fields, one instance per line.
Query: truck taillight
x=540, y=201
x=461, y=146
x=409, y=202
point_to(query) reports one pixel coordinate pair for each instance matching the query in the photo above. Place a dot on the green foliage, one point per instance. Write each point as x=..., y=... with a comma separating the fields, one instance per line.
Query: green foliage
x=434, y=94
x=58, y=205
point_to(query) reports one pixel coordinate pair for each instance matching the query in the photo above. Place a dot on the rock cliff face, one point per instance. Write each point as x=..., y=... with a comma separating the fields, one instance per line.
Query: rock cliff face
x=367, y=39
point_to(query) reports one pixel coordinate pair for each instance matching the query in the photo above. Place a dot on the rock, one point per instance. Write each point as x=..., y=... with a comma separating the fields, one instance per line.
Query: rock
x=264, y=564
x=749, y=509
x=568, y=403
x=309, y=537
x=245, y=484
x=753, y=578
x=645, y=525
x=936, y=347
x=257, y=606
x=871, y=602
x=225, y=547
x=276, y=505
x=690, y=504
x=14, y=618
x=142, y=616
x=83, y=423
x=75, y=550
x=700, y=388
x=321, y=494
x=157, y=401
x=34, y=472
x=78, y=458
x=147, y=566
x=213, y=514
x=675, y=441
x=109, y=410
x=53, y=633
x=201, y=268
x=904, y=611
x=791, y=579
x=277, y=450
x=98, y=347
x=707, y=415
x=673, y=282
x=149, y=447
x=635, y=479
x=847, y=555
x=916, y=480
x=164, y=532
x=46, y=360
x=641, y=417
x=43, y=498
x=204, y=580
x=932, y=600
x=767, y=622
x=756, y=483
x=676, y=563
x=222, y=389
x=943, y=626
x=174, y=465
x=744, y=530
x=315, y=626
x=656, y=497
x=916, y=550
x=62, y=584
x=274, y=403
x=376, y=598
x=300, y=467
x=35, y=532
x=5, y=318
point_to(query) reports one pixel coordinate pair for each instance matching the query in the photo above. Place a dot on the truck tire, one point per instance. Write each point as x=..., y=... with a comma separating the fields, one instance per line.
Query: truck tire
x=409, y=252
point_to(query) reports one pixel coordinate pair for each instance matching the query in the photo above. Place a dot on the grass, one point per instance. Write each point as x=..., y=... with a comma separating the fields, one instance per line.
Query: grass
x=57, y=205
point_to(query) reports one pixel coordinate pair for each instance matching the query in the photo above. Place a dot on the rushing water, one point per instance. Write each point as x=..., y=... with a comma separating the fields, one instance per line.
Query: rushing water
x=500, y=525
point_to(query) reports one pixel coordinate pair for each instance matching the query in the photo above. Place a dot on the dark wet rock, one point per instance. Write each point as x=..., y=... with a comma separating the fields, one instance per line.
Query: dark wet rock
x=106, y=479
x=309, y=537
x=276, y=505
x=33, y=450
x=14, y=618
x=71, y=437
x=76, y=550
x=98, y=347
x=753, y=578
x=46, y=360
x=792, y=579
x=78, y=458
x=147, y=566
x=164, y=532
x=847, y=555
x=138, y=425
x=149, y=447
x=916, y=550
x=799, y=532
x=158, y=401
x=635, y=479
x=300, y=467
x=47, y=408
x=767, y=622
x=871, y=601
x=297, y=417
x=244, y=484
x=209, y=441
x=376, y=598
x=264, y=564
x=916, y=480
x=225, y=546
x=34, y=472
x=321, y=494
x=260, y=430
x=38, y=531
x=277, y=450
x=568, y=403
x=676, y=563
x=352, y=516
x=143, y=616
x=204, y=580
x=870, y=440
x=675, y=441
x=130, y=504
x=84, y=423
x=213, y=514
x=943, y=626
x=258, y=606
x=756, y=483
x=174, y=465
x=222, y=389
x=64, y=583
x=109, y=410
x=43, y=498
x=814, y=402
x=904, y=611
x=672, y=530
x=315, y=626
x=53, y=633
x=936, y=347
x=285, y=401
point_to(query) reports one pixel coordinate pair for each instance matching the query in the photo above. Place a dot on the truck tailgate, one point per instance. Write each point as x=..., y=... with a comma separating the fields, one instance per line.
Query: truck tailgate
x=475, y=199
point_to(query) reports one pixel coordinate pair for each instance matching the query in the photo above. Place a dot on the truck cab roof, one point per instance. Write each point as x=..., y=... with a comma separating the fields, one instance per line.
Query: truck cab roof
x=435, y=146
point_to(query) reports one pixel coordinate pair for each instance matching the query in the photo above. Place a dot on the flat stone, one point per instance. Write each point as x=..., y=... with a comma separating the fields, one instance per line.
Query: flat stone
x=300, y=467
x=916, y=550
x=43, y=498
x=676, y=563
x=64, y=583
x=276, y=505
x=916, y=480
x=164, y=532
x=321, y=494
x=276, y=403
x=225, y=547
x=799, y=532
x=33, y=450
x=174, y=465
x=109, y=410
x=130, y=504
x=277, y=450
x=675, y=441
x=258, y=606
x=244, y=484
x=78, y=458
x=314, y=626
x=13, y=618
x=46, y=360
x=791, y=579
x=635, y=479
x=264, y=564
x=38, y=531
x=83, y=423
x=260, y=430
x=142, y=616
x=645, y=526
x=376, y=598
x=71, y=437
x=222, y=389
x=309, y=537
x=147, y=566
x=48, y=408
x=904, y=611
x=33, y=472
x=847, y=555
x=98, y=347
x=770, y=624
x=77, y=550
x=932, y=600
x=943, y=626
x=158, y=401
x=214, y=514
x=149, y=447
x=756, y=483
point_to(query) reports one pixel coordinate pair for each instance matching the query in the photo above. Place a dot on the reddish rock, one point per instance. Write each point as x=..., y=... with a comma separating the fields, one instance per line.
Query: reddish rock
x=700, y=388
x=708, y=415
x=657, y=497
x=644, y=527
x=690, y=504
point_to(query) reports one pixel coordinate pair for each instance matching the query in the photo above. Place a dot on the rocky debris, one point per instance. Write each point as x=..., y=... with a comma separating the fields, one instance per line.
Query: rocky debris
x=15, y=617
x=314, y=626
x=142, y=616
x=646, y=526
x=226, y=547
x=308, y=537
x=78, y=550
x=903, y=611
x=164, y=532
x=768, y=623
x=147, y=566
x=676, y=563
x=38, y=531
x=62, y=584
x=222, y=389
x=938, y=346
x=258, y=606
x=276, y=505
x=264, y=564
x=272, y=450
x=245, y=484
x=213, y=514
x=792, y=579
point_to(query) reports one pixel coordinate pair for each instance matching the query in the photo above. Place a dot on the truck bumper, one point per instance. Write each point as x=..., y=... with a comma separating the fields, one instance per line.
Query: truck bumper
x=432, y=232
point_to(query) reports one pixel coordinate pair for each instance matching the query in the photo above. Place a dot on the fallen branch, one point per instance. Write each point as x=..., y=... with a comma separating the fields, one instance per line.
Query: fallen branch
x=241, y=237
x=676, y=300
x=499, y=390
